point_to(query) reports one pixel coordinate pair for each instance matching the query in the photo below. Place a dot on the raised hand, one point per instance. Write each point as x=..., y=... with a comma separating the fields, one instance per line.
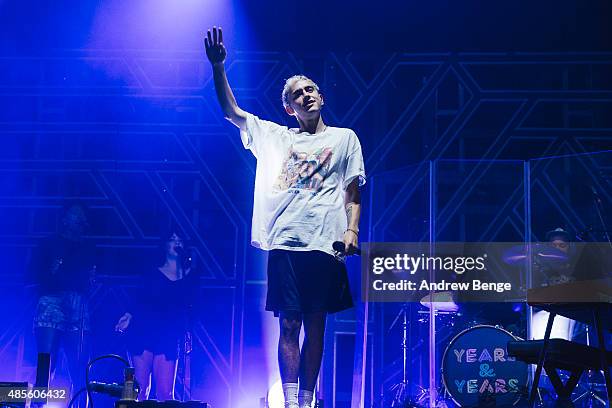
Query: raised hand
x=213, y=43
x=216, y=53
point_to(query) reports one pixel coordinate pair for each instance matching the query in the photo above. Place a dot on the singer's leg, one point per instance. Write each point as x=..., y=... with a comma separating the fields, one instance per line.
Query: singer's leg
x=47, y=340
x=48, y=321
x=164, y=373
x=289, y=347
x=143, y=365
x=312, y=349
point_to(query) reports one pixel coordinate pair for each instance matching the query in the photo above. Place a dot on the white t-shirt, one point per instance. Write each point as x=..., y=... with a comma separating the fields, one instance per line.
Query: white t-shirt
x=300, y=184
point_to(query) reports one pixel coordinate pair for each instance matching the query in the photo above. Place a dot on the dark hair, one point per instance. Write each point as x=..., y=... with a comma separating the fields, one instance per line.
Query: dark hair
x=166, y=230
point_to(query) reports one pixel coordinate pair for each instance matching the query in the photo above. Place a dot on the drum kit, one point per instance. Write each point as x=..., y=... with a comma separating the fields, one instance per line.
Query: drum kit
x=475, y=367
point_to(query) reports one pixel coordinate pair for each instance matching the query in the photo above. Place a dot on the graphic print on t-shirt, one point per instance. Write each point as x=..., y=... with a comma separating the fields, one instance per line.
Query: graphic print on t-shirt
x=304, y=171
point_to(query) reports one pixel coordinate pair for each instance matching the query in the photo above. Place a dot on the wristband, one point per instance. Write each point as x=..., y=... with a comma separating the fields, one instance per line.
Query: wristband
x=353, y=231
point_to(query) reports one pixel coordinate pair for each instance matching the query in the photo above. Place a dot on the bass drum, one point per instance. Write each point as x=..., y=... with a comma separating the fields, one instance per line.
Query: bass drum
x=476, y=368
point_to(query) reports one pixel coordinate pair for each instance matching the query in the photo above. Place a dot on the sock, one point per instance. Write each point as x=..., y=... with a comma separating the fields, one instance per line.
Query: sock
x=290, y=390
x=305, y=398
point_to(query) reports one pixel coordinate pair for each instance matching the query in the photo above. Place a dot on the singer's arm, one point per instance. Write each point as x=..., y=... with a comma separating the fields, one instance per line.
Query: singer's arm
x=134, y=304
x=352, y=205
x=216, y=53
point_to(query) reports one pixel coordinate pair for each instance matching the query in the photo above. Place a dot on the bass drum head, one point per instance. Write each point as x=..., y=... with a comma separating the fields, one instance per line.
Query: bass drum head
x=476, y=368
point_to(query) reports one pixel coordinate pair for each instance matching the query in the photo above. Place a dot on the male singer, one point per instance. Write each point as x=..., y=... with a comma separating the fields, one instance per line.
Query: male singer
x=306, y=197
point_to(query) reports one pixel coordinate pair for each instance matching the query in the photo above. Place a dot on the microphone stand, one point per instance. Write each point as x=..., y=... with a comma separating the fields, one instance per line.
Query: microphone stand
x=186, y=262
x=403, y=396
x=84, y=298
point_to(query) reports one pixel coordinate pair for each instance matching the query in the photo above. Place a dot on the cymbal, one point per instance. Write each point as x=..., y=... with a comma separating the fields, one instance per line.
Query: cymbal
x=543, y=253
x=442, y=301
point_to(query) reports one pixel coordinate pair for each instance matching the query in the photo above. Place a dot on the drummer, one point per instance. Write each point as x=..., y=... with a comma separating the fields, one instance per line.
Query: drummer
x=559, y=272
x=560, y=239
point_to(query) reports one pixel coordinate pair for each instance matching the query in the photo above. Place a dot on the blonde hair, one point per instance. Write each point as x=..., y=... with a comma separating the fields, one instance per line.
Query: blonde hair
x=289, y=83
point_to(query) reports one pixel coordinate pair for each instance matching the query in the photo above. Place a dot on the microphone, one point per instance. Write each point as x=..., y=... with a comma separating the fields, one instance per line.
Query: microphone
x=339, y=247
x=185, y=256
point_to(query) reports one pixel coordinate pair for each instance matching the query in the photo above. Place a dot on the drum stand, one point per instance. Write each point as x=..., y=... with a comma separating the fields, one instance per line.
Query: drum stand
x=402, y=397
x=441, y=400
x=591, y=396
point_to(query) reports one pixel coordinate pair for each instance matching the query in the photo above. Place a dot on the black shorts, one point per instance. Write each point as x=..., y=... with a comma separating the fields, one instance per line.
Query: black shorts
x=154, y=337
x=305, y=282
